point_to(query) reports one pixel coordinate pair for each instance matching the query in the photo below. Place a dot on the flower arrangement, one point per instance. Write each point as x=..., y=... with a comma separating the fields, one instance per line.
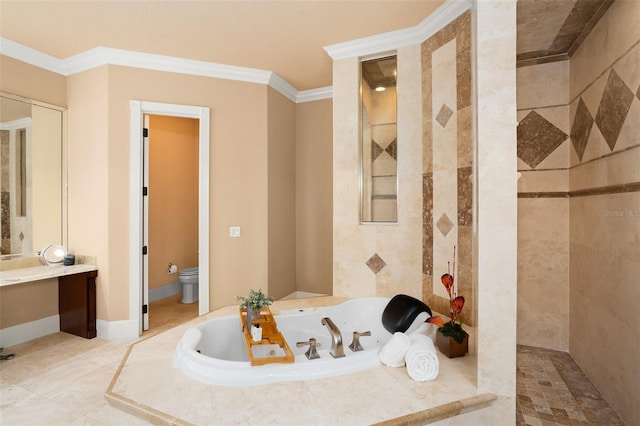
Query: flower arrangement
x=255, y=301
x=453, y=328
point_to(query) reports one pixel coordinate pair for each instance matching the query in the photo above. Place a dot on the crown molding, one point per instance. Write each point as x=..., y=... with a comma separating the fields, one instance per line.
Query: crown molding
x=30, y=56
x=279, y=84
x=315, y=94
x=392, y=40
x=99, y=56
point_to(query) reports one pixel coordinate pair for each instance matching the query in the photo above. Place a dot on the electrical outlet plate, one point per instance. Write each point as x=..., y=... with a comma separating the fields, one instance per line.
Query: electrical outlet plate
x=234, y=231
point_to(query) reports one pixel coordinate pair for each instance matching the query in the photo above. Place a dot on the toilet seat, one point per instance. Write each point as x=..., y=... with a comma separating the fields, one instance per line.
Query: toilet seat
x=188, y=272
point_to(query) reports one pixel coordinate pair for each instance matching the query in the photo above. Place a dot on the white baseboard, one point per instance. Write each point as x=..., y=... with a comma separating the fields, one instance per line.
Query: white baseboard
x=301, y=295
x=165, y=291
x=125, y=331
x=21, y=333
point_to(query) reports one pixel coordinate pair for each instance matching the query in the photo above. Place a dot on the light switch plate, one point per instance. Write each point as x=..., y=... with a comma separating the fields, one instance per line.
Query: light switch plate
x=234, y=231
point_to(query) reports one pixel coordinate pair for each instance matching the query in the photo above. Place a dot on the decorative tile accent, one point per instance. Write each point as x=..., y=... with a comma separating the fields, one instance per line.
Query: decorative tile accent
x=444, y=224
x=376, y=150
x=465, y=196
x=458, y=100
x=427, y=224
x=444, y=115
x=613, y=109
x=5, y=202
x=581, y=128
x=392, y=149
x=537, y=138
x=375, y=263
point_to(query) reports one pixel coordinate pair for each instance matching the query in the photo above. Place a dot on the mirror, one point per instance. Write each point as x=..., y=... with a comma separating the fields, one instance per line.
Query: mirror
x=378, y=141
x=31, y=179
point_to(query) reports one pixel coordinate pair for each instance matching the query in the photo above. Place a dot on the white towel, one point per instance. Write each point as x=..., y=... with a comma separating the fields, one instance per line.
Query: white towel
x=393, y=352
x=421, y=358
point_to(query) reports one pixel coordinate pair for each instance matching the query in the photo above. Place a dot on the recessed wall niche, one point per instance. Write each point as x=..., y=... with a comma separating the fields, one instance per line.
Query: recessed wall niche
x=378, y=140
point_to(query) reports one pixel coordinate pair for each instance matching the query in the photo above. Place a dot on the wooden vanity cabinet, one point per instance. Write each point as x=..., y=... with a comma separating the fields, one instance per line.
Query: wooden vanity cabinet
x=77, y=304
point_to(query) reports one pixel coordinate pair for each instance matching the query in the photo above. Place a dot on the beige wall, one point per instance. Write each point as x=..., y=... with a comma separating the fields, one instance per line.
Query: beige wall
x=88, y=184
x=25, y=303
x=31, y=82
x=173, y=196
x=314, y=204
x=238, y=177
x=282, y=204
x=543, y=205
x=604, y=218
x=245, y=119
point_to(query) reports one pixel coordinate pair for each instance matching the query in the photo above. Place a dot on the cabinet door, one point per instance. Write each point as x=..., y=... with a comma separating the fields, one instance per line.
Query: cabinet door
x=77, y=304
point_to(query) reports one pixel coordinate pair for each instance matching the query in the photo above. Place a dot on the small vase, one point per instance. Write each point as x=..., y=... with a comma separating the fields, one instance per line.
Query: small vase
x=252, y=318
x=449, y=347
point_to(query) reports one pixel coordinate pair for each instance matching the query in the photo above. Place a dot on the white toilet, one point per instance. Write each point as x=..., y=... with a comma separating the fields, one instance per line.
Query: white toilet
x=189, y=280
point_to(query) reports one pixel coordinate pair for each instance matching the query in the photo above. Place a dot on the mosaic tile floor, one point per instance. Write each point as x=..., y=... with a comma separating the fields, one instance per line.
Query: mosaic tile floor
x=553, y=390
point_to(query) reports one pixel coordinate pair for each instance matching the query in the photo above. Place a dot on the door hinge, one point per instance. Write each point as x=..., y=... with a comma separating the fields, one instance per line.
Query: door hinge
x=144, y=250
x=145, y=133
x=145, y=191
x=145, y=309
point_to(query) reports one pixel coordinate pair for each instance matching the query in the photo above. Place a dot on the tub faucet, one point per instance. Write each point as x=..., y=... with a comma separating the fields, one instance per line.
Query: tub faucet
x=337, y=350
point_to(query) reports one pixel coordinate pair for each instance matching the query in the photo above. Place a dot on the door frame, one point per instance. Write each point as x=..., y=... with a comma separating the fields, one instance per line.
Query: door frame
x=136, y=219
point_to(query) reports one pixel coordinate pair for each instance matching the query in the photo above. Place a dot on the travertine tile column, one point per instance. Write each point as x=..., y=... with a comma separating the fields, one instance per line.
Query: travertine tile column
x=496, y=159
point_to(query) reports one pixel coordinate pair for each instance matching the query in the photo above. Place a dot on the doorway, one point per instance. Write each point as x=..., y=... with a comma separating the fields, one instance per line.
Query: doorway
x=170, y=218
x=139, y=290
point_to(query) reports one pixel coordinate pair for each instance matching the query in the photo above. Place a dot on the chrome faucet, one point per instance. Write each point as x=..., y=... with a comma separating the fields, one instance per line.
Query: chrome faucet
x=337, y=350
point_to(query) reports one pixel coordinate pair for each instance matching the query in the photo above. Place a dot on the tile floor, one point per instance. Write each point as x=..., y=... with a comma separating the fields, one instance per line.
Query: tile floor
x=60, y=379
x=553, y=390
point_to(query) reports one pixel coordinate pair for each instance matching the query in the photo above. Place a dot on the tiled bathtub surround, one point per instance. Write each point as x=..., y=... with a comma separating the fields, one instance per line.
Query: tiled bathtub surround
x=447, y=163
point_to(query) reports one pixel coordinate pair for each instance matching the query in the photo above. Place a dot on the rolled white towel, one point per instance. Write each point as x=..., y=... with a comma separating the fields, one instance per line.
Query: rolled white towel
x=421, y=358
x=393, y=352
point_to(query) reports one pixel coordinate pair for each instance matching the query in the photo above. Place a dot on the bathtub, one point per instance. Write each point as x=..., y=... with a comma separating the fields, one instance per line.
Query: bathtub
x=214, y=352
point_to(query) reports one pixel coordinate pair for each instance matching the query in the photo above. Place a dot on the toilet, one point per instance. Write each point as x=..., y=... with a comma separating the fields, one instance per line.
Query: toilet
x=189, y=280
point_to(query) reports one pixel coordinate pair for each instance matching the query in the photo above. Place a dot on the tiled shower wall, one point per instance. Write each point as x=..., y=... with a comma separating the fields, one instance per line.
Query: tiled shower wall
x=447, y=164
x=604, y=184
x=579, y=206
x=543, y=205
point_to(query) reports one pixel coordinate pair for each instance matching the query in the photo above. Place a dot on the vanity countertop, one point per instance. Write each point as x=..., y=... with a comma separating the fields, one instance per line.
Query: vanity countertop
x=42, y=272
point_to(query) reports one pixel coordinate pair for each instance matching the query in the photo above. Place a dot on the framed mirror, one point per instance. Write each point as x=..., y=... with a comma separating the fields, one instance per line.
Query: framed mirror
x=31, y=175
x=378, y=141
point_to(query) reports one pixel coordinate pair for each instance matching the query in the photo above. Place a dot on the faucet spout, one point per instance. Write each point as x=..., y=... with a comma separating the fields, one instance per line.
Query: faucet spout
x=337, y=350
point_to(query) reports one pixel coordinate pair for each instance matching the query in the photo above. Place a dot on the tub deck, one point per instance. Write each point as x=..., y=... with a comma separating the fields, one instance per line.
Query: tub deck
x=376, y=395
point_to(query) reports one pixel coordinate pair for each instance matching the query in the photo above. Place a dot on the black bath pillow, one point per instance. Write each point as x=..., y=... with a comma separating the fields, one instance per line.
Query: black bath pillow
x=401, y=311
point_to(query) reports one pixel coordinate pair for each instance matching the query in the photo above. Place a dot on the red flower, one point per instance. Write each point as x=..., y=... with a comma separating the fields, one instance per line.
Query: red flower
x=447, y=282
x=435, y=320
x=456, y=305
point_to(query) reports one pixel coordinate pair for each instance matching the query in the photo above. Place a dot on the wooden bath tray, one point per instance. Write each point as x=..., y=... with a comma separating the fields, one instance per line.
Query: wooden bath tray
x=270, y=336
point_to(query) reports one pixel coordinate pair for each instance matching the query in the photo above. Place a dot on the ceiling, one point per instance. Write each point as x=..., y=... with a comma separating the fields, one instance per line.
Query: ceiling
x=284, y=36
x=552, y=30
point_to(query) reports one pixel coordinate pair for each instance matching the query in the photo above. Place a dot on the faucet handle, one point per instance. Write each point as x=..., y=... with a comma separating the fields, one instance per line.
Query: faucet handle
x=355, y=345
x=312, y=352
